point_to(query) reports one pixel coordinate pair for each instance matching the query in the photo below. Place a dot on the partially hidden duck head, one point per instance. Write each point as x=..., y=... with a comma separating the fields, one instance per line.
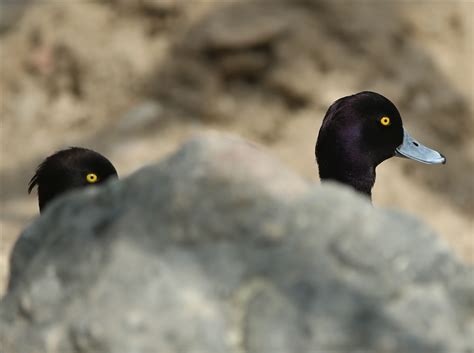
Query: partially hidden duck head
x=358, y=133
x=69, y=169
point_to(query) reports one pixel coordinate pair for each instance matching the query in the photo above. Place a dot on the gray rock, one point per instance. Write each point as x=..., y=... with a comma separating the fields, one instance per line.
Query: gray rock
x=11, y=12
x=140, y=117
x=221, y=249
x=225, y=30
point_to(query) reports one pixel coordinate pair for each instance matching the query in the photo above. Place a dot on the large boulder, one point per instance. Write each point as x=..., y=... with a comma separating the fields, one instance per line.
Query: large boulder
x=221, y=249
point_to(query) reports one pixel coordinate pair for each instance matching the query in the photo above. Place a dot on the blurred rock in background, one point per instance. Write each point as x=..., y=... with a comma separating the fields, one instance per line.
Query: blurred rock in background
x=10, y=13
x=220, y=248
x=133, y=79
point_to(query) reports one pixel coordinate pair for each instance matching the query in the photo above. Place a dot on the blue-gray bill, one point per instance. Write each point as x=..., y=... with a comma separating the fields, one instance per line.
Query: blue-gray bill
x=412, y=149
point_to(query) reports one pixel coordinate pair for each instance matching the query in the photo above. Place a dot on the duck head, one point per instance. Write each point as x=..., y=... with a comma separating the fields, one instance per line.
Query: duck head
x=358, y=133
x=69, y=169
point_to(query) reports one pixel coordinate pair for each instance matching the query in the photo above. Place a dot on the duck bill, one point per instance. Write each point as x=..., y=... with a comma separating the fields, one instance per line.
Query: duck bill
x=412, y=149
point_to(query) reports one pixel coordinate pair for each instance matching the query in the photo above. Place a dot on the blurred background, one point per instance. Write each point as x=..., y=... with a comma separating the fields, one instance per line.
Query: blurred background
x=132, y=79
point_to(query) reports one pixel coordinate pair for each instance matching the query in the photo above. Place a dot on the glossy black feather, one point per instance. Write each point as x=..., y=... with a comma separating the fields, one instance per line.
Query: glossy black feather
x=68, y=169
x=352, y=141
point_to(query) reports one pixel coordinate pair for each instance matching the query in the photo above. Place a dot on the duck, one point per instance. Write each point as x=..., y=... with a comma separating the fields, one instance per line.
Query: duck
x=359, y=132
x=69, y=169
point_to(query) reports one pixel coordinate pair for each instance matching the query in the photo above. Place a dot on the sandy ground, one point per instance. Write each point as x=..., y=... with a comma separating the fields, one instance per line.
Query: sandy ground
x=134, y=79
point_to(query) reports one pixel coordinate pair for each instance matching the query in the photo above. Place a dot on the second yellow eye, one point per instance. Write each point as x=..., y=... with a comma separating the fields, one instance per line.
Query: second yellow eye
x=91, y=178
x=385, y=121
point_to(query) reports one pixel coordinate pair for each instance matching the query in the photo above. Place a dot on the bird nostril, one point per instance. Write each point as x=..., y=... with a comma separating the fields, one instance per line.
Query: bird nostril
x=416, y=144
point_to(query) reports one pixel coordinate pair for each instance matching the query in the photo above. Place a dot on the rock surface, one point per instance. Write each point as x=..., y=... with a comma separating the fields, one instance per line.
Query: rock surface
x=221, y=249
x=126, y=77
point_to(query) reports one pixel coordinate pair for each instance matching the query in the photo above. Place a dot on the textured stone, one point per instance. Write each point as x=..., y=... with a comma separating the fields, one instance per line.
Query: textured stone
x=220, y=248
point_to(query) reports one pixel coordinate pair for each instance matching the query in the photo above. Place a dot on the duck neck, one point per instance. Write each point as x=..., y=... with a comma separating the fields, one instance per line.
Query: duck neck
x=360, y=175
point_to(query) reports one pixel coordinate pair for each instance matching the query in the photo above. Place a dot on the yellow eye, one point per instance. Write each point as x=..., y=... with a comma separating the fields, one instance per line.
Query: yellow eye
x=91, y=178
x=385, y=121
